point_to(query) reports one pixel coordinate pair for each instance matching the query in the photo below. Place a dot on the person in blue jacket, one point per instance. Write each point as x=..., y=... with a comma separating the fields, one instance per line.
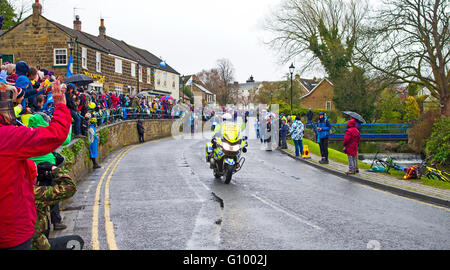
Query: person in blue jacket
x=93, y=140
x=323, y=128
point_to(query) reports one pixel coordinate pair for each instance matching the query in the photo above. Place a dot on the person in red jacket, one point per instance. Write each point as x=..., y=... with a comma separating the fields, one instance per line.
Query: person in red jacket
x=17, y=172
x=351, y=140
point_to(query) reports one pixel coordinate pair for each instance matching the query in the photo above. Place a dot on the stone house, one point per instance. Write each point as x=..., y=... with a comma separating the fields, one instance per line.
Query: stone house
x=114, y=65
x=202, y=96
x=318, y=94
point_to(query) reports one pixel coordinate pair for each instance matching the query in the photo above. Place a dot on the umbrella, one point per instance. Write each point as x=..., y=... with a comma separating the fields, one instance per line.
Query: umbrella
x=358, y=117
x=166, y=98
x=79, y=80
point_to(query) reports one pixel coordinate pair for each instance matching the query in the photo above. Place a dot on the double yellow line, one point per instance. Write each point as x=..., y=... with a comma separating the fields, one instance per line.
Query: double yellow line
x=109, y=226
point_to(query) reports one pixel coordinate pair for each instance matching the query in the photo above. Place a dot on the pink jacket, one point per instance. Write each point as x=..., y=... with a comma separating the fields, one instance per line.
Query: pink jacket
x=352, y=138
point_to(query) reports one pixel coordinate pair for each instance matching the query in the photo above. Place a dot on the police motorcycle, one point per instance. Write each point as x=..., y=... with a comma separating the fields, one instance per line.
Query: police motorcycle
x=224, y=153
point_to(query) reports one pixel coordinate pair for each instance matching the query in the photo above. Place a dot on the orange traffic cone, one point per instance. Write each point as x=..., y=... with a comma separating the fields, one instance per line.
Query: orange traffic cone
x=306, y=154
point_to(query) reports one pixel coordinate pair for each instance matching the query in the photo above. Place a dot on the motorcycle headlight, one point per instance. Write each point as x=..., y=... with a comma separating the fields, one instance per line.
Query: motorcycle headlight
x=229, y=147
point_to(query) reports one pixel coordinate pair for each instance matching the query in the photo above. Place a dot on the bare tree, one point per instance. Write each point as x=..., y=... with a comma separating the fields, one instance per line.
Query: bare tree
x=409, y=41
x=295, y=25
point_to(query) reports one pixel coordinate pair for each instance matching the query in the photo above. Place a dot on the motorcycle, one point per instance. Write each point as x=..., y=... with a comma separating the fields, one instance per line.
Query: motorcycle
x=225, y=154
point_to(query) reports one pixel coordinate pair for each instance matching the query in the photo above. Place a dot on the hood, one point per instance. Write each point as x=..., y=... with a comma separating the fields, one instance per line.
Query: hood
x=22, y=68
x=37, y=121
x=351, y=123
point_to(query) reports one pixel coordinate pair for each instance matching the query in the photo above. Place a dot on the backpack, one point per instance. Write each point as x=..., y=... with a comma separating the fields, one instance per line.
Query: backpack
x=412, y=173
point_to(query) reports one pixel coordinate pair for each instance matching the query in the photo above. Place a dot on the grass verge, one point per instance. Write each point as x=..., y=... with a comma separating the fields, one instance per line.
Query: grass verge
x=342, y=158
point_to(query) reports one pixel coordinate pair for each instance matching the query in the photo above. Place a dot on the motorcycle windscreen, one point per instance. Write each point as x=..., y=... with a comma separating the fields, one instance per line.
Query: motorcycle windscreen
x=231, y=133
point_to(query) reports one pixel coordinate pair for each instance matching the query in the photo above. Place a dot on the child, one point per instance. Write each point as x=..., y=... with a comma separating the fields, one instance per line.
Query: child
x=93, y=140
x=141, y=130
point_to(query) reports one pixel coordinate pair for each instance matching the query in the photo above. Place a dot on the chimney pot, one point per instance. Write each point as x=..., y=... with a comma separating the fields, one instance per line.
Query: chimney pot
x=77, y=23
x=102, y=29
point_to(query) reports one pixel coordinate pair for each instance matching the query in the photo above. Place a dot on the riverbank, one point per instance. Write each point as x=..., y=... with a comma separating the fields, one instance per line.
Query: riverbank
x=339, y=161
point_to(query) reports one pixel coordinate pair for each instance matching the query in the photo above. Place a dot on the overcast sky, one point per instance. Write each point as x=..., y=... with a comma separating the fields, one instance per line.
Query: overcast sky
x=190, y=35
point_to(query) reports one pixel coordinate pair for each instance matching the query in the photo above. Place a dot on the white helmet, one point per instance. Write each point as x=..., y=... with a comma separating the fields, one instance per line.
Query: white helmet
x=226, y=117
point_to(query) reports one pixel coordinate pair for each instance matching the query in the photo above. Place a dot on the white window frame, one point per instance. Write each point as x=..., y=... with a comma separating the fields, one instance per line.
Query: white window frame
x=98, y=62
x=118, y=89
x=326, y=105
x=118, y=65
x=133, y=69
x=149, y=74
x=54, y=57
x=84, y=53
x=140, y=73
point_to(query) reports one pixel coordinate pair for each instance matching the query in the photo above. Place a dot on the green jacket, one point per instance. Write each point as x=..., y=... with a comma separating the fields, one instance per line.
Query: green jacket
x=38, y=121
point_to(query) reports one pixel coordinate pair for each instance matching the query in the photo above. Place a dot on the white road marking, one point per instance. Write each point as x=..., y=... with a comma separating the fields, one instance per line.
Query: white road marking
x=286, y=212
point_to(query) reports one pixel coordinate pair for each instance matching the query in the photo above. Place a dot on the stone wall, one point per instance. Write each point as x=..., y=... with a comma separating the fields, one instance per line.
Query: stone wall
x=114, y=137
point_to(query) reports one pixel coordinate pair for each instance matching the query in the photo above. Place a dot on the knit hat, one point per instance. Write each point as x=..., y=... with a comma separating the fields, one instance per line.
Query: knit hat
x=20, y=92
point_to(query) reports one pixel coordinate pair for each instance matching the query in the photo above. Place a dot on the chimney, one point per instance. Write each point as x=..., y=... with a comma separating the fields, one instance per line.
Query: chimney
x=37, y=11
x=102, y=29
x=77, y=23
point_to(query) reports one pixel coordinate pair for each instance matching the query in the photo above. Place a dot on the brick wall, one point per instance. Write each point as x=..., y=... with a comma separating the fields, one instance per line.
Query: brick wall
x=318, y=98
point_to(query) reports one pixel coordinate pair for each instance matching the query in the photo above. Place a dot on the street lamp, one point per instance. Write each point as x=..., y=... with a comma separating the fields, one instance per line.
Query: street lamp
x=71, y=45
x=182, y=87
x=137, y=75
x=291, y=70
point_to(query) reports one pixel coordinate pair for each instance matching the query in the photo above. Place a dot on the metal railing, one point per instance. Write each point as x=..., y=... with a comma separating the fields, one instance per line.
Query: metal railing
x=110, y=116
x=396, y=132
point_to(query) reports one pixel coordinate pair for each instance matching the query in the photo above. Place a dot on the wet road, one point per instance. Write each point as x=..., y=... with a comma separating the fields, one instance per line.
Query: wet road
x=163, y=196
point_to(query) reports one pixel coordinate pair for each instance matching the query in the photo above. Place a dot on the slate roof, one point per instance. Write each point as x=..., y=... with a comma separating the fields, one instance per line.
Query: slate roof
x=115, y=47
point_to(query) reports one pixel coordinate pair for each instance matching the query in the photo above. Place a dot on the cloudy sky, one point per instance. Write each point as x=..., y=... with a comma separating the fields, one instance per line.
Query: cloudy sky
x=190, y=35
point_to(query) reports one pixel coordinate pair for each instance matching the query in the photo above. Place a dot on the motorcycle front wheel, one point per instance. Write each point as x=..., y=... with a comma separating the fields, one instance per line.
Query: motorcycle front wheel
x=229, y=174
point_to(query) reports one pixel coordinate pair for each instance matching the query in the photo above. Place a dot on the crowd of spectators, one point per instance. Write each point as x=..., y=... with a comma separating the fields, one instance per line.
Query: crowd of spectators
x=35, y=84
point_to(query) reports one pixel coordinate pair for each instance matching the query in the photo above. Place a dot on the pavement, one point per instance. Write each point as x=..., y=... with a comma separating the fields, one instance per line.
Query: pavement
x=383, y=181
x=162, y=196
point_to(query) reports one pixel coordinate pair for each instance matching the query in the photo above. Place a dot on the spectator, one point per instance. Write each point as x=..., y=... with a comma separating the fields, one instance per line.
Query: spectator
x=40, y=100
x=3, y=73
x=283, y=133
x=70, y=97
x=358, y=127
x=310, y=116
x=12, y=76
x=323, y=127
x=141, y=131
x=93, y=140
x=351, y=140
x=42, y=120
x=46, y=196
x=297, y=131
x=17, y=173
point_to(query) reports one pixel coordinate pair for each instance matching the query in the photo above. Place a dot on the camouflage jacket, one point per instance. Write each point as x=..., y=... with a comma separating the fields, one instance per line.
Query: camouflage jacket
x=45, y=197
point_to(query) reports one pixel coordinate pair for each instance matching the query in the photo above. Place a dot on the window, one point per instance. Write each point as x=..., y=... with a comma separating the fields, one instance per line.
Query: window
x=84, y=58
x=118, y=66
x=149, y=74
x=133, y=70
x=328, y=106
x=118, y=89
x=60, y=57
x=98, y=62
x=140, y=73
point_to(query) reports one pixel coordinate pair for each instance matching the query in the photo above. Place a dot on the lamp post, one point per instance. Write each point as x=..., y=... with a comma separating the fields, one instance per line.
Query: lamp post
x=70, y=45
x=182, y=87
x=291, y=70
x=138, y=74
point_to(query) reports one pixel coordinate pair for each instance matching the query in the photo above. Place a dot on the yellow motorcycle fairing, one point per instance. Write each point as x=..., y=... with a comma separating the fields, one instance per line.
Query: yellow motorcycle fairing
x=231, y=133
